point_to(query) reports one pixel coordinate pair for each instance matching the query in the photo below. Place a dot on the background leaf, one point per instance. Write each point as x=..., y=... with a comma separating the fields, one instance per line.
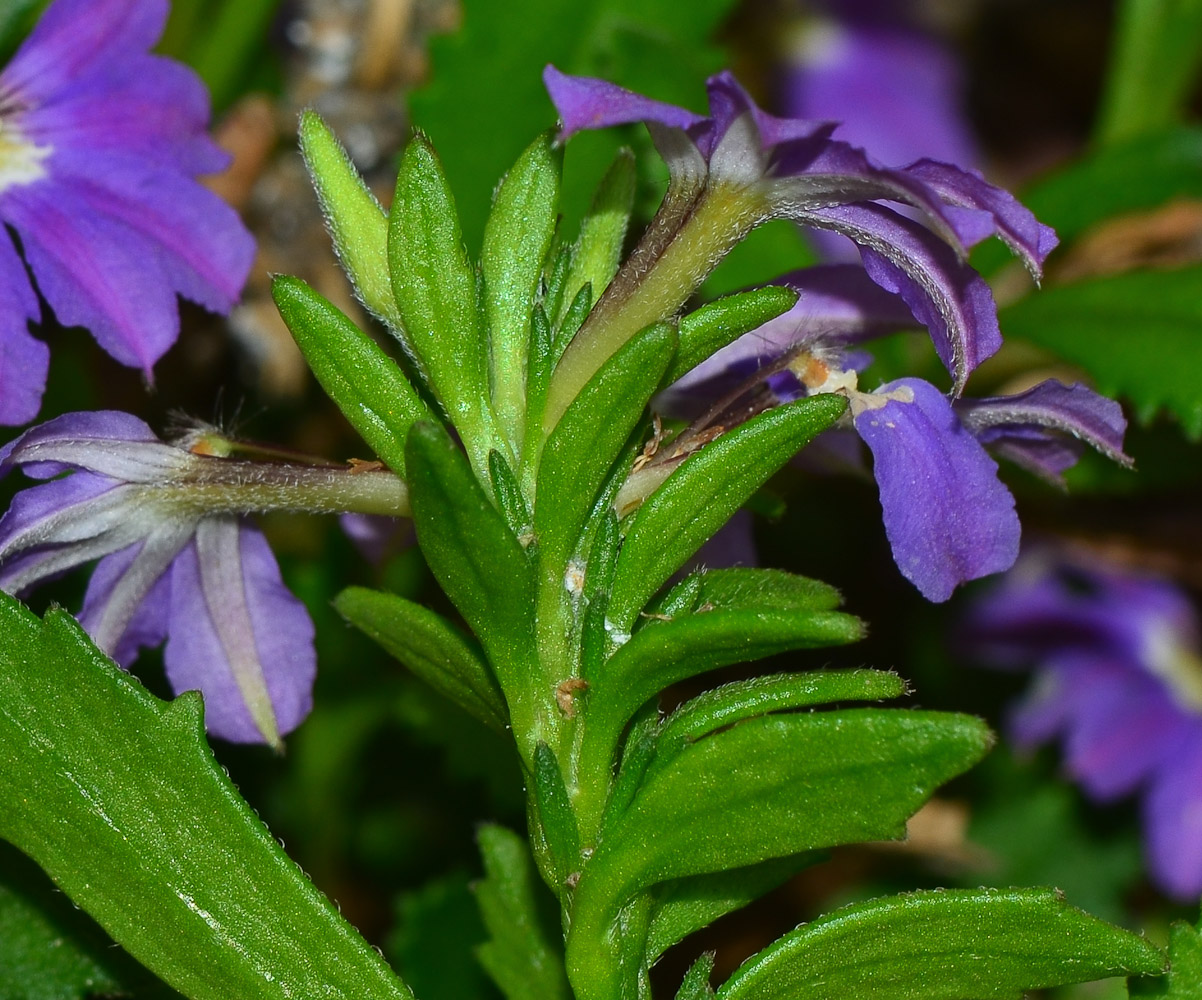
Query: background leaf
x=1138, y=335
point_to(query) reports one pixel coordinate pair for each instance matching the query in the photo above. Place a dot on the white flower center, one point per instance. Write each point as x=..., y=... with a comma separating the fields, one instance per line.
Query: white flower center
x=1175, y=663
x=20, y=159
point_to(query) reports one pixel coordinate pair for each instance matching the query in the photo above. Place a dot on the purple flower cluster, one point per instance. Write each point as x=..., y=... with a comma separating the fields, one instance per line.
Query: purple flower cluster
x=100, y=142
x=948, y=517
x=1118, y=664
x=173, y=566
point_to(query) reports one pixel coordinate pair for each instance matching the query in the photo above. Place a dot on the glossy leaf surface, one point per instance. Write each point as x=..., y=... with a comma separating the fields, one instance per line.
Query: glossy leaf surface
x=117, y=796
x=980, y=944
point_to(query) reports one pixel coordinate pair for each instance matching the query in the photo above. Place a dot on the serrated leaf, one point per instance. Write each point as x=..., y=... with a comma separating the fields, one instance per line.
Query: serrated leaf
x=1154, y=64
x=430, y=646
x=598, y=251
x=369, y=387
x=679, y=908
x=517, y=237
x=434, y=283
x=1136, y=334
x=117, y=796
x=721, y=322
x=704, y=492
x=1168, y=165
x=437, y=928
x=1184, y=978
x=772, y=787
x=585, y=443
x=475, y=558
x=973, y=944
x=357, y=222
x=520, y=955
x=663, y=653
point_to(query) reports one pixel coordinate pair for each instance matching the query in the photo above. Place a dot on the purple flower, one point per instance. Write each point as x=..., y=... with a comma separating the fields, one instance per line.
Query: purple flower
x=948, y=517
x=1119, y=681
x=176, y=564
x=100, y=142
x=759, y=167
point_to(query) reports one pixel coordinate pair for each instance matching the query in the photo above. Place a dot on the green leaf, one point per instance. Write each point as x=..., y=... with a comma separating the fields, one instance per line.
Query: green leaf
x=696, y=982
x=598, y=252
x=585, y=443
x=740, y=700
x=48, y=949
x=1136, y=335
x=430, y=646
x=1154, y=65
x=979, y=944
x=721, y=322
x=117, y=796
x=516, y=240
x=508, y=494
x=485, y=95
x=435, y=287
x=689, y=904
x=475, y=558
x=556, y=820
x=1184, y=979
x=776, y=786
x=664, y=653
x=368, y=386
x=357, y=223
x=520, y=955
x=704, y=492
x=438, y=927
x=750, y=588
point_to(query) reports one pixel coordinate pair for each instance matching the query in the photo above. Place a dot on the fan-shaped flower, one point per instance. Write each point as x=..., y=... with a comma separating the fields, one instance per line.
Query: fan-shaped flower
x=1119, y=680
x=100, y=143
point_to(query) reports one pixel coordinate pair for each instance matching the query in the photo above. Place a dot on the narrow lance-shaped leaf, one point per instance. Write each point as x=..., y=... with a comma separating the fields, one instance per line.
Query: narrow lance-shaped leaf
x=517, y=237
x=357, y=223
x=476, y=559
x=369, y=387
x=603, y=231
x=704, y=492
x=117, y=796
x=434, y=283
x=556, y=820
x=978, y=944
x=430, y=646
x=716, y=324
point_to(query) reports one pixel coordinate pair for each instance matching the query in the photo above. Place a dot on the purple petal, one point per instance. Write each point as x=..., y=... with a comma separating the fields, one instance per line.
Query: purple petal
x=145, y=623
x=1028, y=426
x=146, y=107
x=108, y=442
x=238, y=636
x=587, y=103
x=95, y=272
x=75, y=38
x=201, y=244
x=945, y=294
x=1173, y=818
x=947, y=516
x=24, y=360
x=897, y=91
x=1013, y=222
